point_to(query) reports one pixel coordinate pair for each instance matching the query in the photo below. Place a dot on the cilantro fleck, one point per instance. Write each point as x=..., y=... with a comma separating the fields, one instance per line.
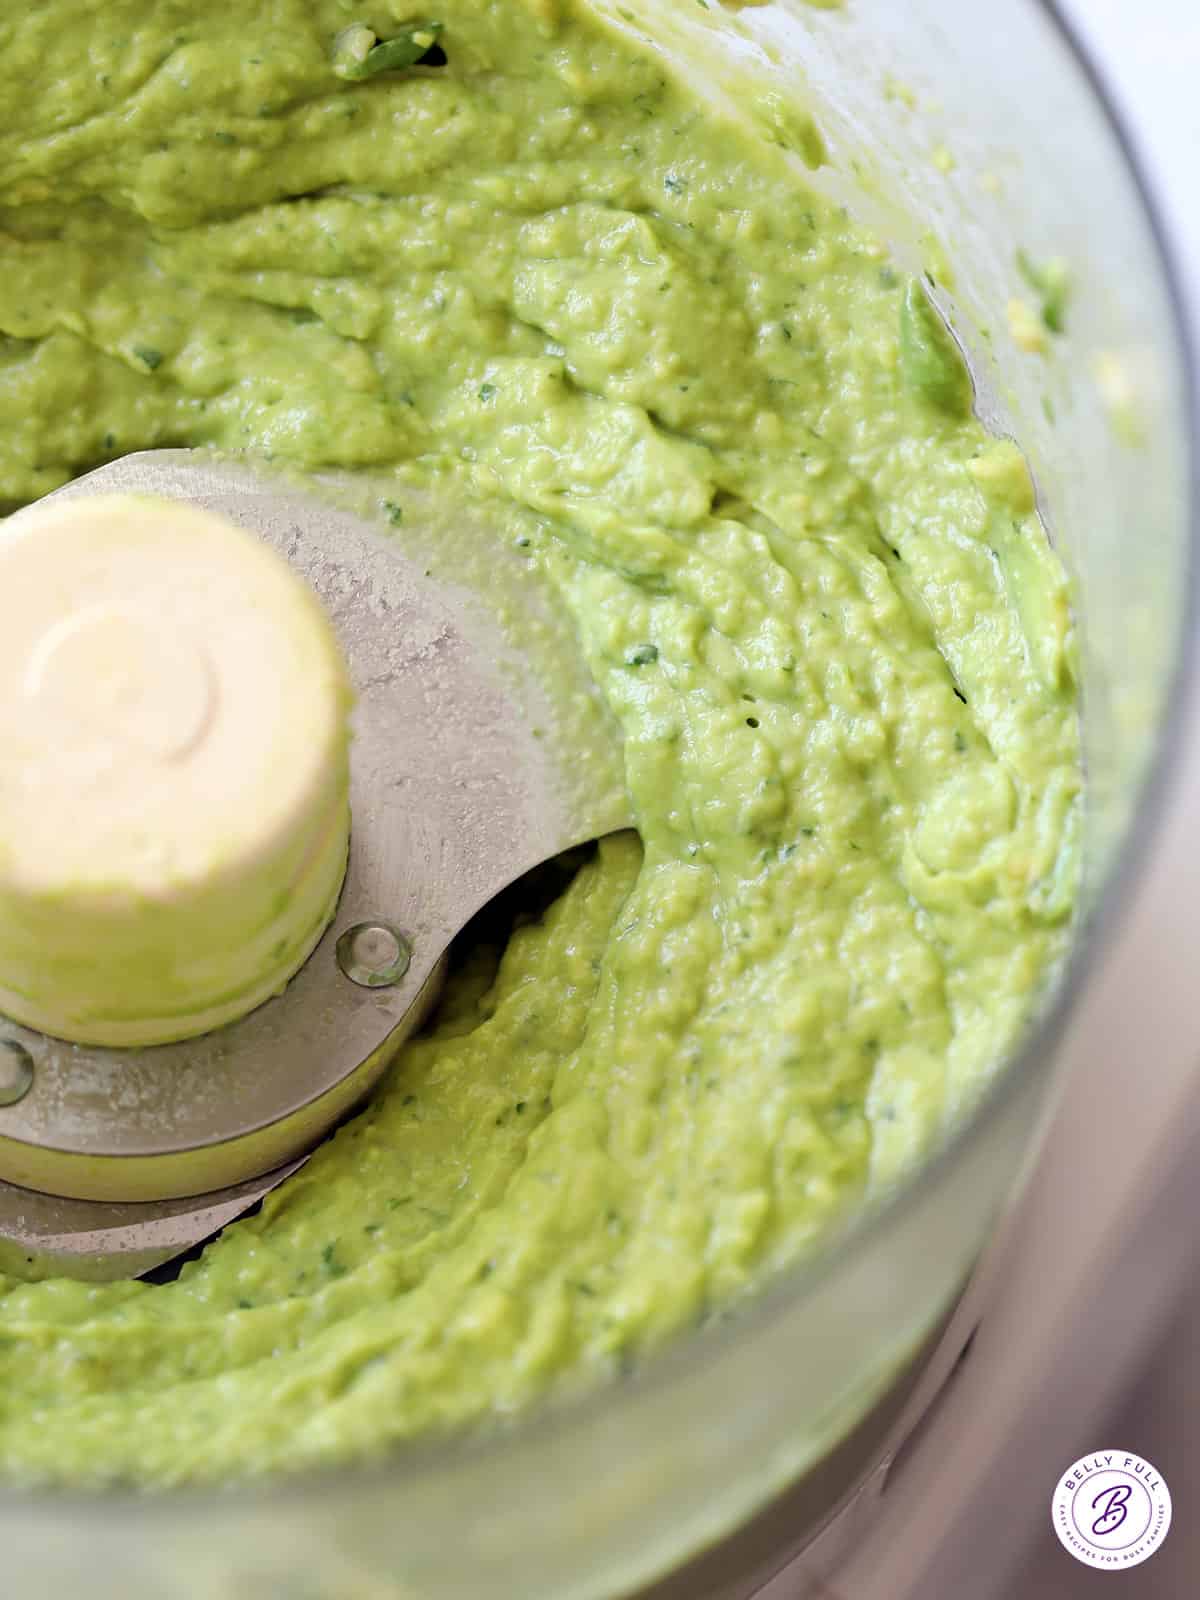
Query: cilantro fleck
x=674, y=184
x=644, y=655
x=487, y=391
x=395, y=513
x=148, y=355
x=330, y=1262
x=358, y=53
x=1051, y=282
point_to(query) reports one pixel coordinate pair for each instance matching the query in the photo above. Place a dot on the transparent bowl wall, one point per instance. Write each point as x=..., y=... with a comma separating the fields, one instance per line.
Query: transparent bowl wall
x=602, y=1496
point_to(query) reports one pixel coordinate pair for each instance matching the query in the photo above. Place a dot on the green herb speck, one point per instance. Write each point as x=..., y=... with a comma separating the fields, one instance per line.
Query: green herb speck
x=358, y=53
x=330, y=1262
x=1051, y=283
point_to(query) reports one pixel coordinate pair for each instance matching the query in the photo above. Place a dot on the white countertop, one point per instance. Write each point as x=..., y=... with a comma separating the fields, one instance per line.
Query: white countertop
x=1149, y=53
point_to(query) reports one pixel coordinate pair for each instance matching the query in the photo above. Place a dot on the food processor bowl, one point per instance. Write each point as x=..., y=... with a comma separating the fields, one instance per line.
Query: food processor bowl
x=979, y=143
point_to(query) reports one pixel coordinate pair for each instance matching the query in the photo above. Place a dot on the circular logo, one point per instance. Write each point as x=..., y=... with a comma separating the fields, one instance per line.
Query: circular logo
x=1111, y=1509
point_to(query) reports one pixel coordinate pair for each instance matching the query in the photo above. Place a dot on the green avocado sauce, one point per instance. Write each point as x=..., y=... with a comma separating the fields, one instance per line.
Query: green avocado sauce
x=523, y=267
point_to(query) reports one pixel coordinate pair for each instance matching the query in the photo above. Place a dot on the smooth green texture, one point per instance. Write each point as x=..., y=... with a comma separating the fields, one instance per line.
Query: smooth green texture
x=543, y=280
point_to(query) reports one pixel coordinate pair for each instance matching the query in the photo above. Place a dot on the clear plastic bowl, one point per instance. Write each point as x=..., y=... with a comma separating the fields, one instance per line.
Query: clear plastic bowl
x=603, y=1496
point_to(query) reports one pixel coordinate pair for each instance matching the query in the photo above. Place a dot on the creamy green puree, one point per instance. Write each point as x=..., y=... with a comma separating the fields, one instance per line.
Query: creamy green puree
x=542, y=278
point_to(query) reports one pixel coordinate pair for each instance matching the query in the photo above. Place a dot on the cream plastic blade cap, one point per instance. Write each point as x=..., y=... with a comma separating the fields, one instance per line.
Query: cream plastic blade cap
x=174, y=770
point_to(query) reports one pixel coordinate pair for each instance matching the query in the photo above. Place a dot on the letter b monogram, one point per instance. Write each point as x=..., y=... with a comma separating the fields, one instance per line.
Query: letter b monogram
x=1114, y=1502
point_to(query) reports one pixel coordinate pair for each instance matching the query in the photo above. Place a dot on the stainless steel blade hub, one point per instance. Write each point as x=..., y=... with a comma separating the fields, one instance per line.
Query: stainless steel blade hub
x=461, y=783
